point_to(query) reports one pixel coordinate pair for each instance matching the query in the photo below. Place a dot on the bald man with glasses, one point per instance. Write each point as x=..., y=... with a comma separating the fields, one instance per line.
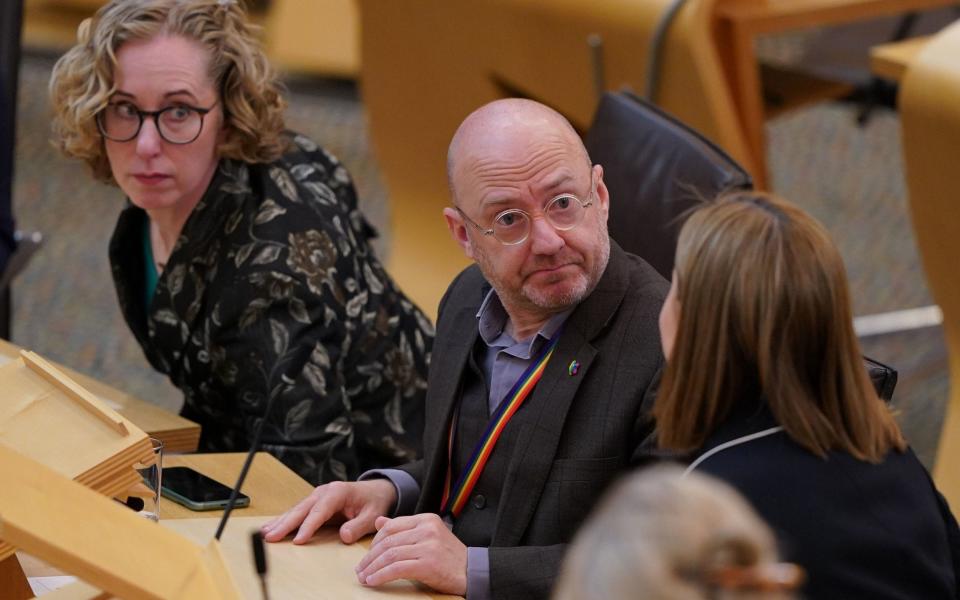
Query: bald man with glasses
x=544, y=366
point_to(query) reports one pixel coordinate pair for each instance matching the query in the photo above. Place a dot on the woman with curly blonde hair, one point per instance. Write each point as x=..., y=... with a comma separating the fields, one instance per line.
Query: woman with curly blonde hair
x=765, y=389
x=663, y=536
x=242, y=263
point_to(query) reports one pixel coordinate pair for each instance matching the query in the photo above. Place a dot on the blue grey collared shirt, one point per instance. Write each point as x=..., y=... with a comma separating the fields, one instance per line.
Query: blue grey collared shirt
x=505, y=358
x=503, y=362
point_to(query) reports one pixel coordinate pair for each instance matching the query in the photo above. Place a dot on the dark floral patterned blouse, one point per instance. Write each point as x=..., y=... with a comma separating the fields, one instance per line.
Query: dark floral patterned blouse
x=273, y=290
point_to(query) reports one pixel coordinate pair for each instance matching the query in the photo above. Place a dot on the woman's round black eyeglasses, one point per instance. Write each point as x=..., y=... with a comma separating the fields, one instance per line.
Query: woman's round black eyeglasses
x=177, y=124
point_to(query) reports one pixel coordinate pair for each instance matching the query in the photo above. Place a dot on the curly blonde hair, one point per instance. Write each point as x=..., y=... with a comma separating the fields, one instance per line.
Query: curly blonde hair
x=661, y=534
x=82, y=81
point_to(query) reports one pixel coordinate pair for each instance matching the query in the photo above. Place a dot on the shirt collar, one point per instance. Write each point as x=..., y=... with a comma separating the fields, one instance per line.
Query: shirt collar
x=492, y=321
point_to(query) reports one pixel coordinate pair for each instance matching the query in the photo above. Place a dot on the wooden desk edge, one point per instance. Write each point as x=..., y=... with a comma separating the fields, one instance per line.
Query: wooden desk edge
x=892, y=60
x=766, y=16
x=177, y=433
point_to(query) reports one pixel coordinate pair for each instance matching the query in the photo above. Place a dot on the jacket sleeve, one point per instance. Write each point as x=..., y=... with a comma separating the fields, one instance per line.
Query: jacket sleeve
x=276, y=358
x=524, y=572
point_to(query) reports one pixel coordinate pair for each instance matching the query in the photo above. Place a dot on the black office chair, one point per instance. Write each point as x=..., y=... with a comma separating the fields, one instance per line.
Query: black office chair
x=27, y=245
x=657, y=169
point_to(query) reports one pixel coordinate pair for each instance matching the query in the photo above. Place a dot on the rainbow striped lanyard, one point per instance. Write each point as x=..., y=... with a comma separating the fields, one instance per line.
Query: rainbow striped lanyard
x=454, y=500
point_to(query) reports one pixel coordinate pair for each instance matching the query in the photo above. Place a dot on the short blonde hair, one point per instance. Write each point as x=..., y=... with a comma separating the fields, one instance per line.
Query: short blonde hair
x=661, y=535
x=82, y=80
x=765, y=313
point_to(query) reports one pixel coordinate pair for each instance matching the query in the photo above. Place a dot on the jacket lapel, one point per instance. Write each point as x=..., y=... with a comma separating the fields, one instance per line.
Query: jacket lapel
x=448, y=357
x=545, y=412
x=181, y=299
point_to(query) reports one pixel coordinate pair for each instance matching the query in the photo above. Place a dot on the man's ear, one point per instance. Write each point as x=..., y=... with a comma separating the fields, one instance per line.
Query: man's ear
x=602, y=194
x=458, y=230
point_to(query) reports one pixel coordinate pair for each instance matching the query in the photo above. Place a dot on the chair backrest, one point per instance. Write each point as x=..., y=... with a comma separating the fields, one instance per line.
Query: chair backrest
x=656, y=169
x=27, y=245
x=883, y=377
x=930, y=120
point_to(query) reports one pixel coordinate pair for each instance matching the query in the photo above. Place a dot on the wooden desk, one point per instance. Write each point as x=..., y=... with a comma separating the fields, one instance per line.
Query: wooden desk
x=891, y=60
x=739, y=22
x=178, y=434
x=320, y=569
x=272, y=487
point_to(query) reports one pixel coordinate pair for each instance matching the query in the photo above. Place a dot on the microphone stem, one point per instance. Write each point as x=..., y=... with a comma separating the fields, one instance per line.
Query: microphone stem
x=246, y=467
x=263, y=587
x=236, y=490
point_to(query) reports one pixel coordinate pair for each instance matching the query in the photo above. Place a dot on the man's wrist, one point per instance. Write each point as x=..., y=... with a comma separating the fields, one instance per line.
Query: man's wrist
x=406, y=487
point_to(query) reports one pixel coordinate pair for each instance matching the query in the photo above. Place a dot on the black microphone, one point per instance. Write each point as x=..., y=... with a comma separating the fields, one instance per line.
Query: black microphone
x=246, y=468
x=260, y=560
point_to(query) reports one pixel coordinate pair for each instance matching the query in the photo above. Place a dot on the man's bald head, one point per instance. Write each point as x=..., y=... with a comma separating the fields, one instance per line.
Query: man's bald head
x=499, y=125
x=508, y=164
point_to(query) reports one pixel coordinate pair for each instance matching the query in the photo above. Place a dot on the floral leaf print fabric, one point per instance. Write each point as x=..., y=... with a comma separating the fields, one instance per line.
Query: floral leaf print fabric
x=273, y=292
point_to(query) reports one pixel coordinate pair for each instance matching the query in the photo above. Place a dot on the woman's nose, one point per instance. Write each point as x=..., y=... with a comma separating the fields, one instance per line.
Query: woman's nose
x=148, y=139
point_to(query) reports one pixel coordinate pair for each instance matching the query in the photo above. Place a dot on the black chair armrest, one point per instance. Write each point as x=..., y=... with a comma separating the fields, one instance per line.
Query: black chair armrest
x=883, y=377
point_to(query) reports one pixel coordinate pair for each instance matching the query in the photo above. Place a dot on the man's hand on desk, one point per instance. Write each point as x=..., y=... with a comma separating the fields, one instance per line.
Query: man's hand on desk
x=418, y=547
x=359, y=503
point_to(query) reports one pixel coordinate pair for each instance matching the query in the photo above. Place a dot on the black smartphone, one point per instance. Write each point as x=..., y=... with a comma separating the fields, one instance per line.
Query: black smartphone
x=196, y=491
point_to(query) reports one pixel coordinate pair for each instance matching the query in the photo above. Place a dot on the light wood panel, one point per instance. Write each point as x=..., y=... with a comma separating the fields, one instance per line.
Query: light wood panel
x=771, y=16
x=740, y=22
x=272, y=487
x=320, y=36
x=176, y=433
x=891, y=60
x=321, y=569
x=930, y=119
x=49, y=419
x=86, y=534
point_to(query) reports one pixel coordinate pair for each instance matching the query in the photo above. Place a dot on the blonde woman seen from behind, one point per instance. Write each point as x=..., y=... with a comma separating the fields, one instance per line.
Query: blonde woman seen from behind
x=659, y=535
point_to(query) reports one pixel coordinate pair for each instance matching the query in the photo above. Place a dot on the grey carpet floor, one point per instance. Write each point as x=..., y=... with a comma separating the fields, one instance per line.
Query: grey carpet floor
x=850, y=178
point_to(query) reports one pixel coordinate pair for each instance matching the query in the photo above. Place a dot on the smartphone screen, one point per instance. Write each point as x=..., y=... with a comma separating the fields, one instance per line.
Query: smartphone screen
x=195, y=490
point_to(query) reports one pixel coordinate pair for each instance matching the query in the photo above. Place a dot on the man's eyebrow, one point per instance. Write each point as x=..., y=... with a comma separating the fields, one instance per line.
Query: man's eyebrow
x=496, y=204
x=497, y=201
x=560, y=181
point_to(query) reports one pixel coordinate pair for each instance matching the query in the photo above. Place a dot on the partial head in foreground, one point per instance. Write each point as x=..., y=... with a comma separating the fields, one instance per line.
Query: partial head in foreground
x=529, y=207
x=759, y=309
x=156, y=91
x=658, y=534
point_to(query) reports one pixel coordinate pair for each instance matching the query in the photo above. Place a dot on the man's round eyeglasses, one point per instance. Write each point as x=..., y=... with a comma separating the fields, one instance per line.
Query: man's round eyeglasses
x=177, y=124
x=513, y=226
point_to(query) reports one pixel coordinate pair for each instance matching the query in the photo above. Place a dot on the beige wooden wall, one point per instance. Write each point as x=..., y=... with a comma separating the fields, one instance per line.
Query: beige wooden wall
x=318, y=37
